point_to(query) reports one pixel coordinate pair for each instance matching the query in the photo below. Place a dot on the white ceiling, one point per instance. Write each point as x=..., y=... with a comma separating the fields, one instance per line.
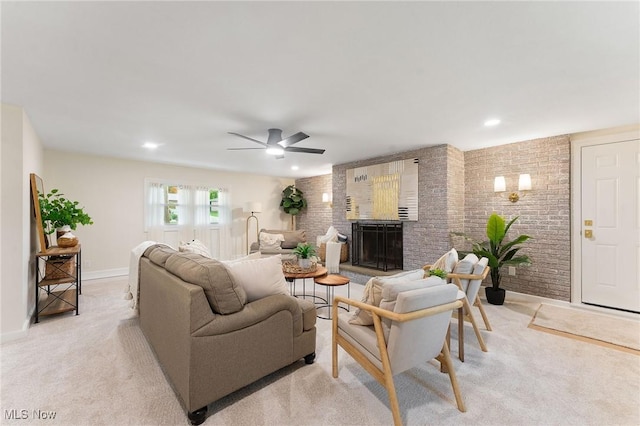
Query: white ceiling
x=363, y=79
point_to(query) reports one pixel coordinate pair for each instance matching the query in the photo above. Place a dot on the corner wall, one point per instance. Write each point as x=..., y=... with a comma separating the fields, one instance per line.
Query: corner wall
x=316, y=219
x=20, y=155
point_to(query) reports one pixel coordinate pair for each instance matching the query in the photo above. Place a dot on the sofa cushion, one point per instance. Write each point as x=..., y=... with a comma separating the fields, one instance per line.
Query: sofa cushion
x=159, y=253
x=259, y=277
x=223, y=294
x=291, y=238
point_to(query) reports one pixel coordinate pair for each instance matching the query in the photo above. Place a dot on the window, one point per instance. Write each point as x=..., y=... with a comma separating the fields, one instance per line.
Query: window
x=177, y=212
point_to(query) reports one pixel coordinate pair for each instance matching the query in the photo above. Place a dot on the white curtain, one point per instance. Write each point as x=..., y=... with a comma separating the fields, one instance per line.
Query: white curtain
x=224, y=216
x=201, y=215
x=155, y=211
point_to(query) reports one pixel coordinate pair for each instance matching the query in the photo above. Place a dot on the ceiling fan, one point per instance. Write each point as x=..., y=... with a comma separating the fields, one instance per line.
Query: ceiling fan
x=277, y=146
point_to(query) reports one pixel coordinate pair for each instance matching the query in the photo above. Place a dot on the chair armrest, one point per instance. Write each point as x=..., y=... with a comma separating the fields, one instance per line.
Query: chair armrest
x=252, y=313
x=393, y=315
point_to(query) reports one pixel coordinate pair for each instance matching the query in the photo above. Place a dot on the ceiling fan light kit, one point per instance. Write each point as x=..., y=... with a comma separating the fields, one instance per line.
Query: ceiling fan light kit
x=277, y=146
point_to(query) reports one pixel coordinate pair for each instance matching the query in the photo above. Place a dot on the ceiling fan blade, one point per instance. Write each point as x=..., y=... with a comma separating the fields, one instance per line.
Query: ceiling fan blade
x=304, y=150
x=241, y=149
x=293, y=139
x=248, y=138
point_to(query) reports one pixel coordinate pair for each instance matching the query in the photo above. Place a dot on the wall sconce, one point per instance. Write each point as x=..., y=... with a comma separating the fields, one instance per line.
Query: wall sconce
x=524, y=184
x=253, y=208
x=327, y=198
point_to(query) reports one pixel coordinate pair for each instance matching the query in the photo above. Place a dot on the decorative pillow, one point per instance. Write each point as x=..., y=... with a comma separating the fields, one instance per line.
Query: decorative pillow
x=447, y=262
x=194, y=246
x=372, y=293
x=291, y=238
x=225, y=296
x=255, y=255
x=259, y=277
x=465, y=266
x=271, y=241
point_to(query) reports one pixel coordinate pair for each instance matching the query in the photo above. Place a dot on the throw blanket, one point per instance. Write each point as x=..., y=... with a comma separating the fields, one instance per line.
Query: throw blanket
x=131, y=291
x=332, y=258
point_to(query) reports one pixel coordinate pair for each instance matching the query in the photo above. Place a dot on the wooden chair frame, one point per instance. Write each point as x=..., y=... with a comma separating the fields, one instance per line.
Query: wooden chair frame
x=465, y=311
x=385, y=376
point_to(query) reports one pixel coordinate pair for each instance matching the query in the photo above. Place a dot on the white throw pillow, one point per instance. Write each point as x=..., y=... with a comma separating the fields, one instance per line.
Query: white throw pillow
x=194, y=246
x=259, y=277
x=447, y=262
x=255, y=255
x=372, y=293
x=271, y=241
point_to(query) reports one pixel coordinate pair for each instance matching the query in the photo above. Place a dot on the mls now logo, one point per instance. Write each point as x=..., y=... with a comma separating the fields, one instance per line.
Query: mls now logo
x=26, y=414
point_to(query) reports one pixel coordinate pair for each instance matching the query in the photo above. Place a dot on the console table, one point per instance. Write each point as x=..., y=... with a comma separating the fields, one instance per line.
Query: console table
x=58, y=273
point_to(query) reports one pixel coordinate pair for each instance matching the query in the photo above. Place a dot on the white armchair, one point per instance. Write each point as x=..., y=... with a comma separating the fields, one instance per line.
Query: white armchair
x=410, y=334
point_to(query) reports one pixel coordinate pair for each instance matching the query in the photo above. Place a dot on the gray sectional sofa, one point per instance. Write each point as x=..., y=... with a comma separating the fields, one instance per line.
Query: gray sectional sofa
x=209, y=341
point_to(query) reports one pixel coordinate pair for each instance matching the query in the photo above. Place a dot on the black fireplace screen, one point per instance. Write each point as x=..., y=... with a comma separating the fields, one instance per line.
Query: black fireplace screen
x=377, y=245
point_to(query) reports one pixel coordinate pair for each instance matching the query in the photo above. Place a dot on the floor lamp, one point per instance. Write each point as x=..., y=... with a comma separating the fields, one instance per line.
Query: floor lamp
x=253, y=208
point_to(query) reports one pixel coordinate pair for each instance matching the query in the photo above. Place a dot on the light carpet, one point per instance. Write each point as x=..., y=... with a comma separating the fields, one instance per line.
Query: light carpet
x=97, y=369
x=591, y=325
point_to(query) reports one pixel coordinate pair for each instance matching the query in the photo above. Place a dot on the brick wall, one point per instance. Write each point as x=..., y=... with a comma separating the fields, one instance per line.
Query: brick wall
x=544, y=212
x=316, y=218
x=456, y=194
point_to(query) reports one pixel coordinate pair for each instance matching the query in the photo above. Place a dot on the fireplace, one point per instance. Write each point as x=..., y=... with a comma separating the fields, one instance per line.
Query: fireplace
x=377, y=245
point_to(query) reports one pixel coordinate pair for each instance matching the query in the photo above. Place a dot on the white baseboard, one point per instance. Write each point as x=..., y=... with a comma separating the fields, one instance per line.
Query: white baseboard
x=105, y=273
x=16, y=335
x=514, y=296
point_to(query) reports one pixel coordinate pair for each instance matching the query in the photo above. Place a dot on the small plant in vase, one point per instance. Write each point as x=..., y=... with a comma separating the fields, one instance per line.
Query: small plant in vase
x=304, y=252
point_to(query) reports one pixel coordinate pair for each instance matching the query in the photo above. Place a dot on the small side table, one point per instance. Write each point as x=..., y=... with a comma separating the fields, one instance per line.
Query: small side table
x=331, y=282
x=292, y=277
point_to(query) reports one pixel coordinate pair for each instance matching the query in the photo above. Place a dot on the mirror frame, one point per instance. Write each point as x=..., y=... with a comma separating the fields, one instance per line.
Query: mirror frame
x=37, y=186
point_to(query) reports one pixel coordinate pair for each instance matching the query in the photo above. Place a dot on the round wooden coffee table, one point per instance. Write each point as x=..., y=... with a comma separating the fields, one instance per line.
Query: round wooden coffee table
x=331, y=282
x=291, y=278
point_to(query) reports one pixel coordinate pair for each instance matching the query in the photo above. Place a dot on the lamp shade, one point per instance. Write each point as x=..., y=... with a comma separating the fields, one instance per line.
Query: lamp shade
x=252, y=207
x=499, y=184
x=524, y=183
x=325, y=197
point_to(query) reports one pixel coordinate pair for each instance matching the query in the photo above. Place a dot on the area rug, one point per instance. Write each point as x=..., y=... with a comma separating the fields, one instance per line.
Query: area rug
x=588, y=326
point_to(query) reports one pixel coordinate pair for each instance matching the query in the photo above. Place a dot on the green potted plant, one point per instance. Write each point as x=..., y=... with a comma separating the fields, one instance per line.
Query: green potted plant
x=58, y=212
x=500, y=252
x=292, y=202
x=304, y=252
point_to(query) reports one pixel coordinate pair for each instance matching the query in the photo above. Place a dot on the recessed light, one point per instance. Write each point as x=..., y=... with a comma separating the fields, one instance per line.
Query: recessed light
x=294, y=167
x=150, y=145
x=492, y=122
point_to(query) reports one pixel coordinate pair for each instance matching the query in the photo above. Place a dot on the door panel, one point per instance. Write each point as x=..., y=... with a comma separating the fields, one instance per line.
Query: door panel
x=611, y=212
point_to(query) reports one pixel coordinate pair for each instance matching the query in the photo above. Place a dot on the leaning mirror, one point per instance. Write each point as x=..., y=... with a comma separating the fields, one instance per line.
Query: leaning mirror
x=37, y=187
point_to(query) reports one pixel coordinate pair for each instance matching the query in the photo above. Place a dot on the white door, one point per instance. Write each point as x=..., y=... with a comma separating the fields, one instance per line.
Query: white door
x=610, y=225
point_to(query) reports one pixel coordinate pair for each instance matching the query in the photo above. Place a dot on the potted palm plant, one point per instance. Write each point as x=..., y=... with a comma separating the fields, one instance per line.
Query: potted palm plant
x=500, y=252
